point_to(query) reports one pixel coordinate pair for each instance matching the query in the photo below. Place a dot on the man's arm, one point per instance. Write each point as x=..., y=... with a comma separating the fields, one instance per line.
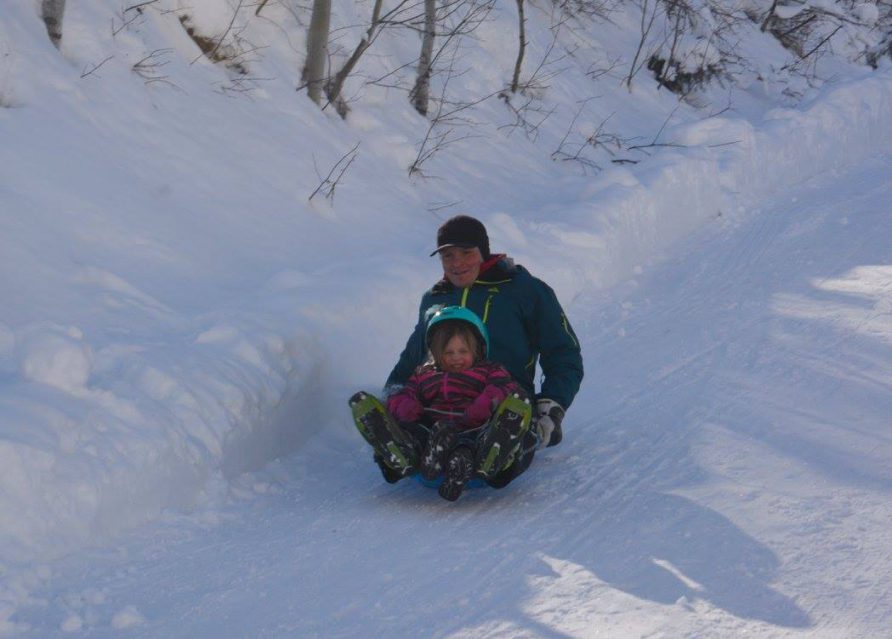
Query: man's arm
x=560, y=356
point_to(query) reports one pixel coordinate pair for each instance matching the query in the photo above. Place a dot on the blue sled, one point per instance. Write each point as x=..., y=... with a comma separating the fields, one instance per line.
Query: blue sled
x=435, y=483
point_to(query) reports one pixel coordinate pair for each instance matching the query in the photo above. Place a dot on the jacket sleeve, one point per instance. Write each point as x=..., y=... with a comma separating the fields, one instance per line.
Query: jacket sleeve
x=560, y=356
x=406, y=404
x=412, y=356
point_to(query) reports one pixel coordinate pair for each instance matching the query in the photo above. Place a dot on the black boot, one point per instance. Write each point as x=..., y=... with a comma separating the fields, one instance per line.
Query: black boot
x=442, y=440
x=391, y=476
x=459, y=468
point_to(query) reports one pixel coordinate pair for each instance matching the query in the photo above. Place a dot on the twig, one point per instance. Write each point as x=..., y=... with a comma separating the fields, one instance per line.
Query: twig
x=124, y=23
x=327, y=183
x=721, y=144
x=822, y=42
x=436, y=207
x=645, y=32
x=653, y=145
x=147, y=68
x=797, y=26
x=139, y=6
x=663, y=126
x=95, y=67
x=213, y=51
x=432, y=143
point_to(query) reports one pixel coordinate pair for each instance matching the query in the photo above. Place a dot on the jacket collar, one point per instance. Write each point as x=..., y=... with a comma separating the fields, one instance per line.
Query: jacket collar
x=497, y=268
x=489, y=264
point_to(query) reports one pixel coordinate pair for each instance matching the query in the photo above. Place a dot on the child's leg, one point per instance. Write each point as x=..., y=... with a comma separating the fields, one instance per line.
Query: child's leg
x=443, y=438
x=522, y=460
x=502, y=439
x=395, y=447
x=458, y=469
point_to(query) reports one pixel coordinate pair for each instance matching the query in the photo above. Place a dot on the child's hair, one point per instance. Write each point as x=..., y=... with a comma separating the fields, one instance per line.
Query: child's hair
x=444, y=331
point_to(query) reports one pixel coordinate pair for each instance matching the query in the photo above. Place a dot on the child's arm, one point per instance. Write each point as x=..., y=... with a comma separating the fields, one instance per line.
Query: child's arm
x=405, y=405
x=498, y=385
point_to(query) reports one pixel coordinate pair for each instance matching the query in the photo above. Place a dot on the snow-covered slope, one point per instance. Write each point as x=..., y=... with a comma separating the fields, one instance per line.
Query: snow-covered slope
x=177, y=311
x=724, y=473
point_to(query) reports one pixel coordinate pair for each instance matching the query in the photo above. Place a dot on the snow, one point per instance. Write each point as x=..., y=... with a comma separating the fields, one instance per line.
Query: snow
x=181, y=328
x=867, y=12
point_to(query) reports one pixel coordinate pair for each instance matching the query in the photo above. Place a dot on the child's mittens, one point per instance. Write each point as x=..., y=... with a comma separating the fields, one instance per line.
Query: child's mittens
x=476, y=414
x=481, y=408
x=404, y=409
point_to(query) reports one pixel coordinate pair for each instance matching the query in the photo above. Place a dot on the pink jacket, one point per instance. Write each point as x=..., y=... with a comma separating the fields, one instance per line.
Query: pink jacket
x=469, y=396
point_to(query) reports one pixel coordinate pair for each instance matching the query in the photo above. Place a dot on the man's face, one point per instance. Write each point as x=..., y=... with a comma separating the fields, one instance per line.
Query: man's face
x=461, y=265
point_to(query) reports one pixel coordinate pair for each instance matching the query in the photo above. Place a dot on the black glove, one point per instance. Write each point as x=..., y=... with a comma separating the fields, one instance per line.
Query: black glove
x=549, y=416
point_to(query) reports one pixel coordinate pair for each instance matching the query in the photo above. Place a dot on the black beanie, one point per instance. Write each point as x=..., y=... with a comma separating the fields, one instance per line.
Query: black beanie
x=464, y=231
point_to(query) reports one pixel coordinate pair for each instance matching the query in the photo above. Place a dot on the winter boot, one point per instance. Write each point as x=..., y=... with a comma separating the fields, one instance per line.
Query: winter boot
x=396, y=448
x=390, y=475
x=503, y=437
x=459, y=468
x=442, y=440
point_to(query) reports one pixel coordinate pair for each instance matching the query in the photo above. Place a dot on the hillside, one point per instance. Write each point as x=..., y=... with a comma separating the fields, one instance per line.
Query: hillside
x=193, y=286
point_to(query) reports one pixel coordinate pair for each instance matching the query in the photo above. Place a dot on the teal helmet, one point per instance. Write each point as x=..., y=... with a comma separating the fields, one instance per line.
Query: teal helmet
x=459, y=314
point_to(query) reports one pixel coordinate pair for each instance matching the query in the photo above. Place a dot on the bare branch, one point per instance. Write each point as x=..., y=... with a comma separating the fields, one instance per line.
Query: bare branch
x=95, y=67
x=646, y=26
x=439, y=206
x=819, y=44
x=210, y=54
x=139, y=6
x=125, y=22
x=260, y=7
x=328, y=185
x=441, y=130
x=148, y=67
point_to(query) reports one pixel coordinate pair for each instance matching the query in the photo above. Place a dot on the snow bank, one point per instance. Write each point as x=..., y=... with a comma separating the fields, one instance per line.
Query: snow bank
x=628, y=216
x=97, y=442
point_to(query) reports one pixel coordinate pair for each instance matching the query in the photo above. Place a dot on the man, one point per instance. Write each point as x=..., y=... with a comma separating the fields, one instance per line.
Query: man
x=525, y=322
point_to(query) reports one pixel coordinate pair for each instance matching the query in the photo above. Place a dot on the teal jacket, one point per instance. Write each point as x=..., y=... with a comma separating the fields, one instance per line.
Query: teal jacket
x=525, y=321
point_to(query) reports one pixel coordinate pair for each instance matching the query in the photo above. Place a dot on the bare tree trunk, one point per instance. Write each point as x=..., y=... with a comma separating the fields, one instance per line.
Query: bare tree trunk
x=522, y=46
x=52, y=11
x=314, y=73
x=420, y=94
x=333, y=88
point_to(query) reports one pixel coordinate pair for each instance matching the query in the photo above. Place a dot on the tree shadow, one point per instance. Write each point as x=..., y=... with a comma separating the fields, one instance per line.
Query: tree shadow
x=653, y=546
x=669, y=549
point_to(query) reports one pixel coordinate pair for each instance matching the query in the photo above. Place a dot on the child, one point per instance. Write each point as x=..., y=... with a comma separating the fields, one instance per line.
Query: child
x=444, y=406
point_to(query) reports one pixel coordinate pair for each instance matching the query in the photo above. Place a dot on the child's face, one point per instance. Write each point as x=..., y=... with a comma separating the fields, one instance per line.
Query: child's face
x=457, y=356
